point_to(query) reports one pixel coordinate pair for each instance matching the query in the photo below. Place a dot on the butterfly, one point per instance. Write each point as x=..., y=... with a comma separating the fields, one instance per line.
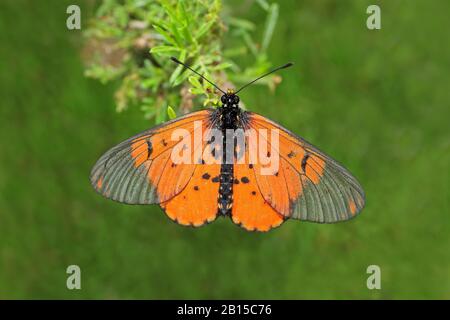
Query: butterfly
x=306, y=184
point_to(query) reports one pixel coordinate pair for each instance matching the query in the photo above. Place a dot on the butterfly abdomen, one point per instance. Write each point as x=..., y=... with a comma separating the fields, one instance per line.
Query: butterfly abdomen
x=225, y=199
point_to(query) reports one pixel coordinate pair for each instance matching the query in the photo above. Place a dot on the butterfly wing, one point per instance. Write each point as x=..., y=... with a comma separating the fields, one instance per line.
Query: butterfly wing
x=250, y=209
x=196, y=204
x=307, y=185
x=141, y=170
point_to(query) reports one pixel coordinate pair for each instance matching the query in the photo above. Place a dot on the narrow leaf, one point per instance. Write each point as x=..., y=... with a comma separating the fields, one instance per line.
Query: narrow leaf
x=194, y=81
x=178, y=70
x=165, y=34
x=204, y=29
x=171, y=113
x=263, y=4
x=164, y=50
x=222, y=66
x=270, y=26
x=241, y=23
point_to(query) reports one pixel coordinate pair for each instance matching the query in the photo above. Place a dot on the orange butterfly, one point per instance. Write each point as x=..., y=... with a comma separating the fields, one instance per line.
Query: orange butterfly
x=306, y=184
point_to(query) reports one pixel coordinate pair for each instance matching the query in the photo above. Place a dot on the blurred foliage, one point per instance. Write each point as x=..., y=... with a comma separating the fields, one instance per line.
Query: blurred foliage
x=133, y=40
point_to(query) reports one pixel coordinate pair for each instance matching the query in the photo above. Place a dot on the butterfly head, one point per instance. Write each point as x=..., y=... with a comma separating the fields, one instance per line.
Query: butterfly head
x=230, y=99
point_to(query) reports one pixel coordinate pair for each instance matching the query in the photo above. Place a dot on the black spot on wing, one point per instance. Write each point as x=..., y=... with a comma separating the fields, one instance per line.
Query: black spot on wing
x=304, y=161
x=206, y=176
x=149, y=148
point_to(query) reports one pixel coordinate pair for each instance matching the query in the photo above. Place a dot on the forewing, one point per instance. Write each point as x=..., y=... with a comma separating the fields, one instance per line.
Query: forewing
x=140, y=170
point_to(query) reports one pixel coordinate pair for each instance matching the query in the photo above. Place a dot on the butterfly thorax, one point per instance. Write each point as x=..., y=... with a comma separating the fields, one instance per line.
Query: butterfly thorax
x=229, y=111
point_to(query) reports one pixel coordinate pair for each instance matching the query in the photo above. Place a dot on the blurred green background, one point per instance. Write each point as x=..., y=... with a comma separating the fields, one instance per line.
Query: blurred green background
x=377, y=101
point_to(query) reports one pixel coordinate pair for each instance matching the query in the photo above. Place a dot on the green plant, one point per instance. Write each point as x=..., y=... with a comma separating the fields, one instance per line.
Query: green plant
x=131, y=41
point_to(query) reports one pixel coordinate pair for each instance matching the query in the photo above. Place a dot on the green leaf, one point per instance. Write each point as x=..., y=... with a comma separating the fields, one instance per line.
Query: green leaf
x=164, y=50
x=222, y=66
x=263, y=4
x=194, y=81
x=233, y=52
x=169, y=10
x=176, y=34
x=204, y=29
x=270, y=26
x=196, y=90
x=181, y=78
x=250, y=44
x=241, y=23
x=182, y=12
x=149, y=83
x=165, y=34
x=171, y=113
x=178, y=69
x=187, y=34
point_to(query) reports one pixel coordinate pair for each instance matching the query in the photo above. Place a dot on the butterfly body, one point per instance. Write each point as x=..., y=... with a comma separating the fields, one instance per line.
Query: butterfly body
x=229, y=115
x=299, y=181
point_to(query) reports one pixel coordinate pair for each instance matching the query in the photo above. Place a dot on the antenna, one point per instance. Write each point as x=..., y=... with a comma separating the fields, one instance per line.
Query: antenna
x=186, y=66
x=287, y=65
